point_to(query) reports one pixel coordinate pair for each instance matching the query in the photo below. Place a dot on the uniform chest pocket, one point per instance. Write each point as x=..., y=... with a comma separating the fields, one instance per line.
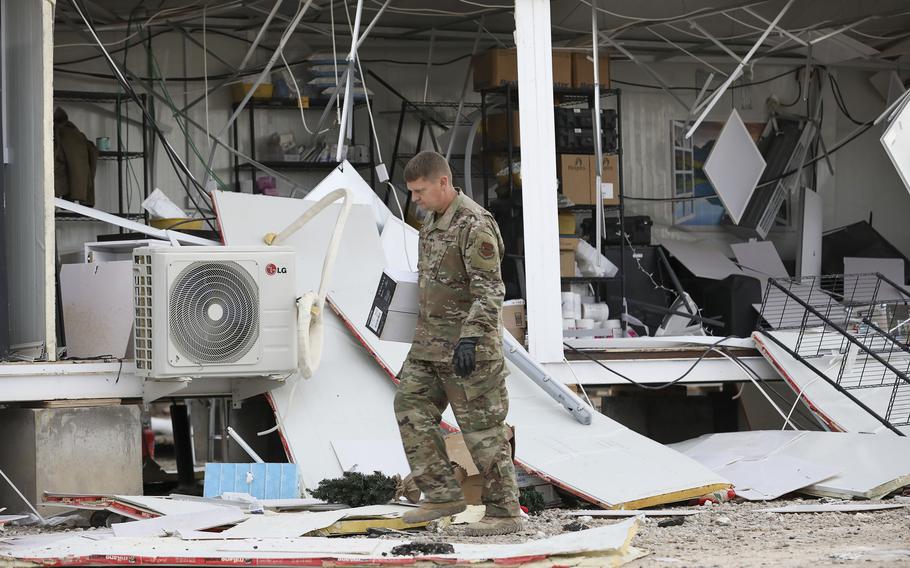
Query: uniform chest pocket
x=449, y=266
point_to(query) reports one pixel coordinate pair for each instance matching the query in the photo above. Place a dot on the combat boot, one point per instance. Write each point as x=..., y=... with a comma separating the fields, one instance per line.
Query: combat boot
x=428, y=511
x=490, y=526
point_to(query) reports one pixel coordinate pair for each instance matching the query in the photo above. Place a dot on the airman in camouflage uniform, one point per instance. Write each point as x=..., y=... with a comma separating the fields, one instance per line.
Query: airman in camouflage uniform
x=456, y=356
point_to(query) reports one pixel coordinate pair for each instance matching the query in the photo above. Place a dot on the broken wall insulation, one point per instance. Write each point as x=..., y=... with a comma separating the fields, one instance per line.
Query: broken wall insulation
x=28, y=178
x=604, y=463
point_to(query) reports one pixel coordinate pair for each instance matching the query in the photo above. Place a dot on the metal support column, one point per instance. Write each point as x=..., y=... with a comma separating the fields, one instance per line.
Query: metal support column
x=183, y=448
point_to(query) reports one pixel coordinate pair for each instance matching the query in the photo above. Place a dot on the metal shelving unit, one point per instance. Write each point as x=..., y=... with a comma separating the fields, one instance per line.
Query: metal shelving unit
x=506, y=209
x=303, y=165
x=120, y=155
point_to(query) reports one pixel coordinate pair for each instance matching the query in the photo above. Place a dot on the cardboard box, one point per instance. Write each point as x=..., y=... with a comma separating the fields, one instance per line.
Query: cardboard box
x=567, y=223
x=393, y=316
x=609, y=179
x=513, y=313
x=562, y=68
x=567, y=247
x=583, y=70
x=576, y=179
x=466, y=472
x=497, y=67
x=498, y=129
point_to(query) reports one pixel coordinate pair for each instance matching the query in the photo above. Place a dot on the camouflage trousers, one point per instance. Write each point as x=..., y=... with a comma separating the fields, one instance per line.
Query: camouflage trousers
x=480, y=403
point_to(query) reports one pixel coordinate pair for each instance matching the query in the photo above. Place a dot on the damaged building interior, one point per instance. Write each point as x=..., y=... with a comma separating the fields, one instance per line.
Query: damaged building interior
x=400, y=282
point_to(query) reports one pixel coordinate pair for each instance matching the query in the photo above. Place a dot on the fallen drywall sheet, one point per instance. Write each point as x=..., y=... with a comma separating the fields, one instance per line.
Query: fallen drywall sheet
x=834, y=508
x=703, y=259
x=604, y=463
x=293, y=525
x=394, y=236
x=868, y=466
x=760, y=259
x=345, y=176
x=837, y=410
x=611, y=542
x=97, y=302
x=170, y=524
x=166, y=506
x=367, y=456
x=772, y=476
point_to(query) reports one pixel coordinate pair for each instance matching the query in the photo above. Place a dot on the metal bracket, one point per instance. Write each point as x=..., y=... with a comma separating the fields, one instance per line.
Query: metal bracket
x=152, y=390
x=242, y=389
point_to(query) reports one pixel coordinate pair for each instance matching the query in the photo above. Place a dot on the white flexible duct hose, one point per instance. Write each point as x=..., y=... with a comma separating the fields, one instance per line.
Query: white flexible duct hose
x=311, y=304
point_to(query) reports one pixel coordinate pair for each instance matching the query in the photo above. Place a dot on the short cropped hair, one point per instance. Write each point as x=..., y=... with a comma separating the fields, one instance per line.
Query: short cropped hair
x=427, y=164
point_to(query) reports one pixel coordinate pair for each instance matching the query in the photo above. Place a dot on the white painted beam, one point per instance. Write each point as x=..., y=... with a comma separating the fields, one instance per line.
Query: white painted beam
x=538, y=173
x=659, y=371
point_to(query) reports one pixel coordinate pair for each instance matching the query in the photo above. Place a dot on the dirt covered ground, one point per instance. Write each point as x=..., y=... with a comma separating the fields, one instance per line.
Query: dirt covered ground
x=736, y=534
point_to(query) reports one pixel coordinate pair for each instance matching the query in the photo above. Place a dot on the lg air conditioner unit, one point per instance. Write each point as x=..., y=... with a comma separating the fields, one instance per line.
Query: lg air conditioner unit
x=214, y=311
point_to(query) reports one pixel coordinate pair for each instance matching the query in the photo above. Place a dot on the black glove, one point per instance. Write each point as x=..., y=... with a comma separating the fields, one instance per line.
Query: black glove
x=464, y=357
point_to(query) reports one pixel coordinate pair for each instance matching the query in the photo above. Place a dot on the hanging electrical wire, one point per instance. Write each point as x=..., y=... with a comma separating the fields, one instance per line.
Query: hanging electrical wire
x=174, y=158
x=839, y=100
x=647, y=386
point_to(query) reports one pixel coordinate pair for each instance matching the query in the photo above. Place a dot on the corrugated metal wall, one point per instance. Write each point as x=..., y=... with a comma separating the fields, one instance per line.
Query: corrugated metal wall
x=28, y=28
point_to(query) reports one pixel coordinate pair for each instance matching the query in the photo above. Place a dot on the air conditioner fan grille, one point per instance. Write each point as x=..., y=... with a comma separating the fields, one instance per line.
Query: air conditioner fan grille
x=214, y=312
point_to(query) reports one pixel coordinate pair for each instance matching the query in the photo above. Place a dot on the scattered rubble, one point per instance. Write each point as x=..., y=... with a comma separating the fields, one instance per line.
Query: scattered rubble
x=418, y=548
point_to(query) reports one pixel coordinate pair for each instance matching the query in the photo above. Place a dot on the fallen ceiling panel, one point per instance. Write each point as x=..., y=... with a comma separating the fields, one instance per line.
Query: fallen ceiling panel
x=760, y=259
x=604, y=463
x=867, y=466
x=734, y=166
x=896, y=141
x=701, y=258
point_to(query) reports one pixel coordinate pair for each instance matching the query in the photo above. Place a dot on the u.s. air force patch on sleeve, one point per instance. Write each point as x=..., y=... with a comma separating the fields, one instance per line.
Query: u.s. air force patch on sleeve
x=485, y=255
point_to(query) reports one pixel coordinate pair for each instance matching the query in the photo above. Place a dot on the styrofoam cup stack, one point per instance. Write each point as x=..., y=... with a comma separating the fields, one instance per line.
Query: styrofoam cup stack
x=599, y=312
x=571, y=305
x=584, y=323
x=615, y=327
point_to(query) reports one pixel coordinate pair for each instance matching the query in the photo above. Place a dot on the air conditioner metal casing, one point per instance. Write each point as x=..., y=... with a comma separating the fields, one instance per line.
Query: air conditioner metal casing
x=214, y=311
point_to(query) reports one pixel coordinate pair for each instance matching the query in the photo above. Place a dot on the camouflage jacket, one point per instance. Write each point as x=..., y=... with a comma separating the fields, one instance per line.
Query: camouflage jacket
x=460, y=285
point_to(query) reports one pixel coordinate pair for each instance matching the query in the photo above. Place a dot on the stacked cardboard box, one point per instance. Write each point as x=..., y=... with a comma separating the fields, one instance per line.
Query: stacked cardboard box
x=577, y=176
x=497, y=67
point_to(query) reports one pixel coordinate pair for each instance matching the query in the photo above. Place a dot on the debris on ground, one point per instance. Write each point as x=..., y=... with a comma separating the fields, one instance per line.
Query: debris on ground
x=418, y=548
x=671, y=522
x=575, y=526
